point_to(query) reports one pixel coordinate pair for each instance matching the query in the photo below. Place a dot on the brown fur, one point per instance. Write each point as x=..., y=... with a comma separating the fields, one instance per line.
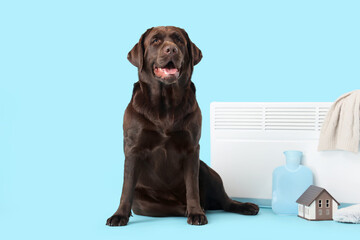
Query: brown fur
x=163, y=175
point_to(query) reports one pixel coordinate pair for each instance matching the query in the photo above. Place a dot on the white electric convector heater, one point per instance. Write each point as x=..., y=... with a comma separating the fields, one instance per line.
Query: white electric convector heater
x=248, y=140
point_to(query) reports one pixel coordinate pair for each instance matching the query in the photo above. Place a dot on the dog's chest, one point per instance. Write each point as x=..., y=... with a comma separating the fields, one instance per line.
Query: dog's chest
x=171, y=146
x=165, y=157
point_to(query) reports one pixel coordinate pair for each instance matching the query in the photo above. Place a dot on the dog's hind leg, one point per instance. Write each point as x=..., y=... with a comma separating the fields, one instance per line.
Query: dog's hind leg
x=214, y=197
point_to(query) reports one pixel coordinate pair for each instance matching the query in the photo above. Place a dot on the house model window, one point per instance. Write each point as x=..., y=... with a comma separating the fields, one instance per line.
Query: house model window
x=318, y=204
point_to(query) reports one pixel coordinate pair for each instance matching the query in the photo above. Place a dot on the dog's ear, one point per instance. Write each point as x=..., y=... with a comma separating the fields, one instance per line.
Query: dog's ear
x=136, y=55
x=194, y=51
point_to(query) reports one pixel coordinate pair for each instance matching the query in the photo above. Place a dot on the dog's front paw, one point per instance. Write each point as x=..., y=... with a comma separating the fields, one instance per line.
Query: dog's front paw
x=197, y=219
x=117, y=220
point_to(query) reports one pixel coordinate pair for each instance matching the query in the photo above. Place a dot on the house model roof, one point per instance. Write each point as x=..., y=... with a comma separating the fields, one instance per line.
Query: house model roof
x=311, y=194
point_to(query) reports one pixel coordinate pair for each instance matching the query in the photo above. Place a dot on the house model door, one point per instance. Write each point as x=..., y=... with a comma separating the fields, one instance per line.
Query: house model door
x=324, y=207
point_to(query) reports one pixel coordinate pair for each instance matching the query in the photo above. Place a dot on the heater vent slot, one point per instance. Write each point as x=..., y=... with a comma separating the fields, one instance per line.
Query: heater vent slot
x=269, y=117
x=239, y=118
x=290, y=118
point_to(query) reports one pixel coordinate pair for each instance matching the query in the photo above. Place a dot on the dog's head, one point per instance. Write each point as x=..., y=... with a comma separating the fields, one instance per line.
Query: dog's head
x=165, y=54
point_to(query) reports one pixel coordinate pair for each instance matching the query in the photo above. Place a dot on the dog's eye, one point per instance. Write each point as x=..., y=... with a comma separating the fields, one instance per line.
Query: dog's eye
x=178, y=38
x=155, y=40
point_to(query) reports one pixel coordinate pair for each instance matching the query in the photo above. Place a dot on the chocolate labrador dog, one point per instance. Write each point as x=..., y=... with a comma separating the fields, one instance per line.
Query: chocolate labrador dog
x=163, y=175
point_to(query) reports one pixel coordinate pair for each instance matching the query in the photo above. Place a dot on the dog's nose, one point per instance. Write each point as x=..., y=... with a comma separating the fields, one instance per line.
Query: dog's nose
x=170, y=49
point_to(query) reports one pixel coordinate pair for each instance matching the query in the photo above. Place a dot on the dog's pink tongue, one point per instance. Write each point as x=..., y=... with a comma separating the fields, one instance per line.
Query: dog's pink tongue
x=164, y=72
x=170, y=71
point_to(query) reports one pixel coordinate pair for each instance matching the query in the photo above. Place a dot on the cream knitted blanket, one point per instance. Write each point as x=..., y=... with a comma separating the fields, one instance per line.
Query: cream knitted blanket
x=341, y=128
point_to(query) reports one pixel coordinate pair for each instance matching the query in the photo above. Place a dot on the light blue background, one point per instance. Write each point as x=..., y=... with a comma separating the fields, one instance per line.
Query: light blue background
x=65, y=82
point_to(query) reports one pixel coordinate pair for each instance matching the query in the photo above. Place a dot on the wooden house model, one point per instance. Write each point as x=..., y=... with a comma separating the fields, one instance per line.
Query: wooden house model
x=316, y=204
